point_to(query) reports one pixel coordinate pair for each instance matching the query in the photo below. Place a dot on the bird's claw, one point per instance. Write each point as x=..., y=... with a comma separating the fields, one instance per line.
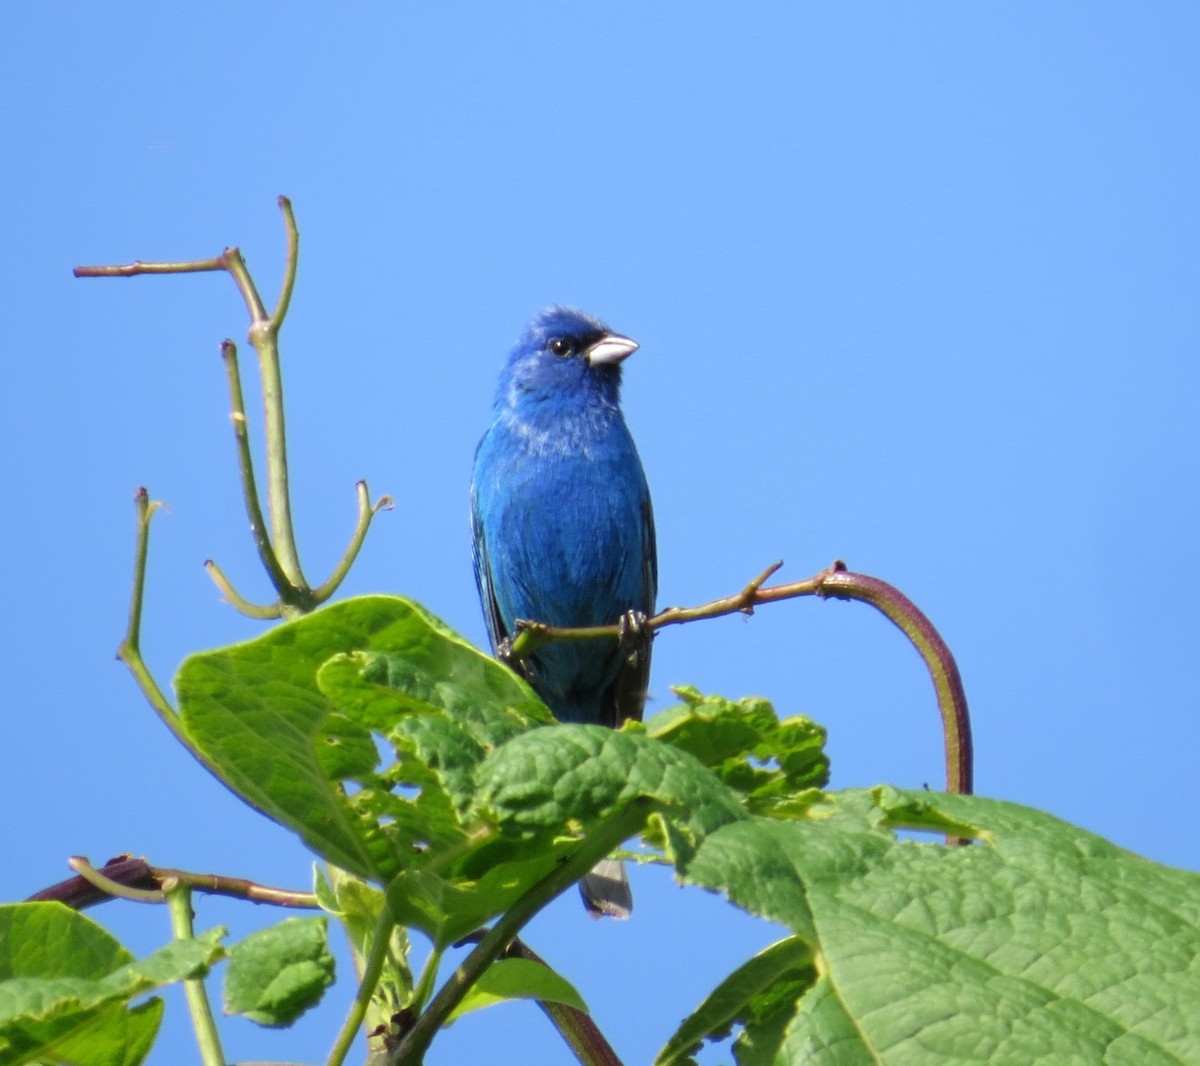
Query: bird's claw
x=634, y=635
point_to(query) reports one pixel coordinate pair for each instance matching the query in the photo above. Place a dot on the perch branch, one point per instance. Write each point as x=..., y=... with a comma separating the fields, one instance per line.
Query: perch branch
x=834, y=581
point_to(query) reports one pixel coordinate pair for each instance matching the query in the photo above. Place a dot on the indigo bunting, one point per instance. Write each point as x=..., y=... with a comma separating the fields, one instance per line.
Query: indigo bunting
x=563, y=532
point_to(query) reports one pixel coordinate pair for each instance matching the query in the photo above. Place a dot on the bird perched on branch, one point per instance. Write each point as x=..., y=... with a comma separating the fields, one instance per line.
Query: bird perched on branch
x=564, y=533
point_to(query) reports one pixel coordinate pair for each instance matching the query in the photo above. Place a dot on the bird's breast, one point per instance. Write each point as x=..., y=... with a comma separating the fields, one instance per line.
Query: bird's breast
x=564, y=510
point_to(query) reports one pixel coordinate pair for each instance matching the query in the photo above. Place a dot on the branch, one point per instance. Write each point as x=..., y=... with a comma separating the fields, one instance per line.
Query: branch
x=366, y=511
x=289, y=269
x=129, y=650
x=575, y=1026
x=258, y=526
x=264, y=335
x=126, y=873
x=130, y=270
x=277, y=548
x=838, y=582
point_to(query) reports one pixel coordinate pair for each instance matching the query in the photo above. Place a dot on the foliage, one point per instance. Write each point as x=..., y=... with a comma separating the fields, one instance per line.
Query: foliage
x=1038, y=943
x=441, y=797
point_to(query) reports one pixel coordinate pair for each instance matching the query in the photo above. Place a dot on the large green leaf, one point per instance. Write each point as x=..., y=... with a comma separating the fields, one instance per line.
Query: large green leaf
x=1041, y=943
x=287, y=720
x=65, y=987
x=547, y=779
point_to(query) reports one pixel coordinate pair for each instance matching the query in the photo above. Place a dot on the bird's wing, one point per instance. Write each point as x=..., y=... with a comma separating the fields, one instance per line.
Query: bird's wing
x=626, y=698
x=497, y=631
x=483, y=577
x=649, y=554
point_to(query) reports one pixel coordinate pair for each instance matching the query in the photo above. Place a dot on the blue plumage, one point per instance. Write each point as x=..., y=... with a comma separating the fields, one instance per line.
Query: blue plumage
x=561, y=518
x=561, y=514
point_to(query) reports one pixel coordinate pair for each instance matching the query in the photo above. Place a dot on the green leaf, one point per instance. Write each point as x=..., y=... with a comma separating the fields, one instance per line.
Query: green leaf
x=277, y=973
x=748, y=995
x=517, y=979
x=380, y=686
x=51, y=940
x=543, y=788
x=483, y=884
x=65, y=985
x=822, y=1032
x=287, y=721
x=774, y=764
x=547, y=779
x=1042, y=943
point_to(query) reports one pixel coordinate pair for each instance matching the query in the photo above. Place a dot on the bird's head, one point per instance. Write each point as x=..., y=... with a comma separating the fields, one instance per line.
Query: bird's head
x=565, y=353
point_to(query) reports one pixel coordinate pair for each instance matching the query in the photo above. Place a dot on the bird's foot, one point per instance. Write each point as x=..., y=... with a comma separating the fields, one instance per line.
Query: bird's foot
x=635, y=636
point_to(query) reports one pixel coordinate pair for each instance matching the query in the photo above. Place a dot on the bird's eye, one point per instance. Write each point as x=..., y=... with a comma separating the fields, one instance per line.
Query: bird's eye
x=561, y=346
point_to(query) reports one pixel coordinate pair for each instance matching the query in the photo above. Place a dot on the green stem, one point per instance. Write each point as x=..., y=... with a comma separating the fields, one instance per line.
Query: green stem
x=277, y=544
x=264, y=333
x=241, y=433
x=380, y=946
x=278, y=499
x=365, y=513
x=608, y=836
x=233, y=262
x=179, y=902
x=263, y=611
x=289, y=269
x=129, y=650
x=424, y=986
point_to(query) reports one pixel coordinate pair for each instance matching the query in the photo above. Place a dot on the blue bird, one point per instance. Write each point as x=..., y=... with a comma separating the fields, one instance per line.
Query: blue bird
x=564, y=534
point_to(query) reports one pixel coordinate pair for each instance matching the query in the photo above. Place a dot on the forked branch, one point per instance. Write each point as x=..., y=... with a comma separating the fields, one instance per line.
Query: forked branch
x=276, y=546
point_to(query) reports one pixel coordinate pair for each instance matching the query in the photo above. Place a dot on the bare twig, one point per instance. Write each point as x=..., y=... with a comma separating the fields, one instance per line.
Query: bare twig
x=277, y=547
x=366, y=511
x=119, y=876
x=835, y=581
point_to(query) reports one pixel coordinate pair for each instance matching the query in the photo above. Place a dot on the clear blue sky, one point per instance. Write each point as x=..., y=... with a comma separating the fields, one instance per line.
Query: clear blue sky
x=917, y=286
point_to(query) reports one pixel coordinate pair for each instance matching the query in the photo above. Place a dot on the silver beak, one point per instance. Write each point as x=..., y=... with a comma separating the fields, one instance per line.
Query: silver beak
x=611, y=348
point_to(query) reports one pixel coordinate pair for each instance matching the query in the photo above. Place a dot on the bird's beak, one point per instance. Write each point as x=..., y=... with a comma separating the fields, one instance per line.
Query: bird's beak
x=611, y=349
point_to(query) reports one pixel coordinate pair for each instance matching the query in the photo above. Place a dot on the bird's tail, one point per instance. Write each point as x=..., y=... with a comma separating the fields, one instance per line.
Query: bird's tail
x=606, y=891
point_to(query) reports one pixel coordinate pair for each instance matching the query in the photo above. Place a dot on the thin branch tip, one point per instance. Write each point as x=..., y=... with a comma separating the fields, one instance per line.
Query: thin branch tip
x=750, y=592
